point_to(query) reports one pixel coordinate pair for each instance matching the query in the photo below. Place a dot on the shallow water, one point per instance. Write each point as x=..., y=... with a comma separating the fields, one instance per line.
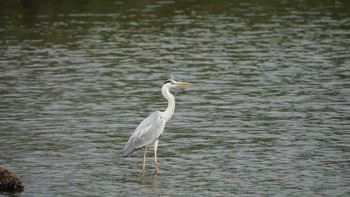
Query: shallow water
x=267, y=115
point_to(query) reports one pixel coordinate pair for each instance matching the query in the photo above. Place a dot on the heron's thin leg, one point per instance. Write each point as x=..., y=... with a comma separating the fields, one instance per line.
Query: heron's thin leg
x=144, y=161
x=155, y=156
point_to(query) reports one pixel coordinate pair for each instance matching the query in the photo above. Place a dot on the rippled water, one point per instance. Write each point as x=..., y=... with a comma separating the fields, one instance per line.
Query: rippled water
x=267, y=115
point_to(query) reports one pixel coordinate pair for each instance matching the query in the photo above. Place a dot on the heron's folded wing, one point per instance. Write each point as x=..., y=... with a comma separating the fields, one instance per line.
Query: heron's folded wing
x=146, y=133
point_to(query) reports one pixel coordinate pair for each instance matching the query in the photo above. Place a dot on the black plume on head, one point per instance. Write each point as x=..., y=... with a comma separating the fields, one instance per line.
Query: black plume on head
x=168, y=81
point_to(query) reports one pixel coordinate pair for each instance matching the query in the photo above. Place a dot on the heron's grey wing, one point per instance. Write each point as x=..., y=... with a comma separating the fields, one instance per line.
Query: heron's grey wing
x=146, y=133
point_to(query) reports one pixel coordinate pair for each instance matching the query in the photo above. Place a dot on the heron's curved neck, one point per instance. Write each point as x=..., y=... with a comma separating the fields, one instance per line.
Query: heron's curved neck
x=168, y=113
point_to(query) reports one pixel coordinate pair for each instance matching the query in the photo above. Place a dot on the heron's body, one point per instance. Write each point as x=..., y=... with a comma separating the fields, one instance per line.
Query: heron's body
x=151, y=128
x=146, y=133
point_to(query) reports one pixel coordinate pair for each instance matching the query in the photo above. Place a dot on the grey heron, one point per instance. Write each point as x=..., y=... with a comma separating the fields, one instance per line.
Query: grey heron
x=151, y=128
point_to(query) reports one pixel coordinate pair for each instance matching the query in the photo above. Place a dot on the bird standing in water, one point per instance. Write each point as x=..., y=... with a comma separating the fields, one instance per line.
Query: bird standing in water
x=151, y=128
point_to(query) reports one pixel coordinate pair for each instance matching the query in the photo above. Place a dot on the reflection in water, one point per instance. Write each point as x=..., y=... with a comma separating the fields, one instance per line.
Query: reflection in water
x=267, y=113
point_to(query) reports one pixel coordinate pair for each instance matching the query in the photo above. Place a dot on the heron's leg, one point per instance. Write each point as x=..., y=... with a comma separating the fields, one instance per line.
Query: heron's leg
x=144, y=161
x=155, y=156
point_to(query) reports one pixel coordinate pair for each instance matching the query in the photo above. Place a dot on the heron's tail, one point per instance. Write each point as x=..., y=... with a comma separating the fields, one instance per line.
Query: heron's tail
x=128, y=149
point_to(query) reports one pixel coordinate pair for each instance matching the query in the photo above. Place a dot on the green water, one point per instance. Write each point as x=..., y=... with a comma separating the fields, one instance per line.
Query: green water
x=267, y=114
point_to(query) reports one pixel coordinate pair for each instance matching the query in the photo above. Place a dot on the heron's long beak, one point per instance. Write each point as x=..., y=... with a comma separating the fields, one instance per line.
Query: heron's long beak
x=182, y=84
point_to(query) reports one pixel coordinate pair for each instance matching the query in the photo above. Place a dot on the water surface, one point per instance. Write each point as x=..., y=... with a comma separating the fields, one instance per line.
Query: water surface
x=267, y=115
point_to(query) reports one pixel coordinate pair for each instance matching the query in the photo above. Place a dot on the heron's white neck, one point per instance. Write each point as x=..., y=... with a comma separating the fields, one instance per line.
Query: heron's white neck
x=168, y=113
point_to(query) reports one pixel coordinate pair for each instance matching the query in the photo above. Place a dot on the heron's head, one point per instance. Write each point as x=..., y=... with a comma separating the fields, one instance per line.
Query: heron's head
x=171, y=83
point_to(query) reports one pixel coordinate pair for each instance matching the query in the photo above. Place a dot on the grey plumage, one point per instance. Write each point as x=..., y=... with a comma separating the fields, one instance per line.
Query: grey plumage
x=150, y=129
x=146, y=133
